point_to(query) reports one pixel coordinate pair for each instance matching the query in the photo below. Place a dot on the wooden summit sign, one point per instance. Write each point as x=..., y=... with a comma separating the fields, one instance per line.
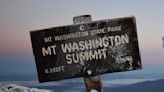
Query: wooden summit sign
x=87, y=49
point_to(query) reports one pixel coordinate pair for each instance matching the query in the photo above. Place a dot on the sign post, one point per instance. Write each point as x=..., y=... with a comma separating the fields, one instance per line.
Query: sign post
x=92, y=83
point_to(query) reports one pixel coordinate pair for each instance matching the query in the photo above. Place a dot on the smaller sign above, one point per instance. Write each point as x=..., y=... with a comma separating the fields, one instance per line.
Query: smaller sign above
x=86, y=49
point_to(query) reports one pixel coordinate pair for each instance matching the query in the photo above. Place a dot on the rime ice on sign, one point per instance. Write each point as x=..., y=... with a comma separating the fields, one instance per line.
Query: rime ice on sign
x=92, y=48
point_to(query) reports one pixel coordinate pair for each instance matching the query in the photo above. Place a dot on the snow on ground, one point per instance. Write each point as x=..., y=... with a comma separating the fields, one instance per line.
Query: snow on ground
x=18, y=88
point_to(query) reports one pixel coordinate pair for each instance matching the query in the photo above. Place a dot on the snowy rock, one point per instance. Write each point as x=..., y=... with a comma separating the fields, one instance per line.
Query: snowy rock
x=18, y=88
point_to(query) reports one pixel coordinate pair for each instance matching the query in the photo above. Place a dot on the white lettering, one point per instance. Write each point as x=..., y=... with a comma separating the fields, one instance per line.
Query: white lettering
x=49, y=51
x=55, y=69
x=86, y=56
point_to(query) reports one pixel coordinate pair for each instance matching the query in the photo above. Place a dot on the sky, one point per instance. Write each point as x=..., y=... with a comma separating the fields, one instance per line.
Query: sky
x=19, y=17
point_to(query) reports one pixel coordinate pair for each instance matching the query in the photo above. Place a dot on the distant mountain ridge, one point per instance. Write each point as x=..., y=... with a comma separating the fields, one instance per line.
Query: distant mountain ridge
x=148, y=86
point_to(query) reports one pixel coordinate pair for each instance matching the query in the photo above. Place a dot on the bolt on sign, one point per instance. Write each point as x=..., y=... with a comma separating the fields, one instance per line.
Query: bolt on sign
x=86, y=49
